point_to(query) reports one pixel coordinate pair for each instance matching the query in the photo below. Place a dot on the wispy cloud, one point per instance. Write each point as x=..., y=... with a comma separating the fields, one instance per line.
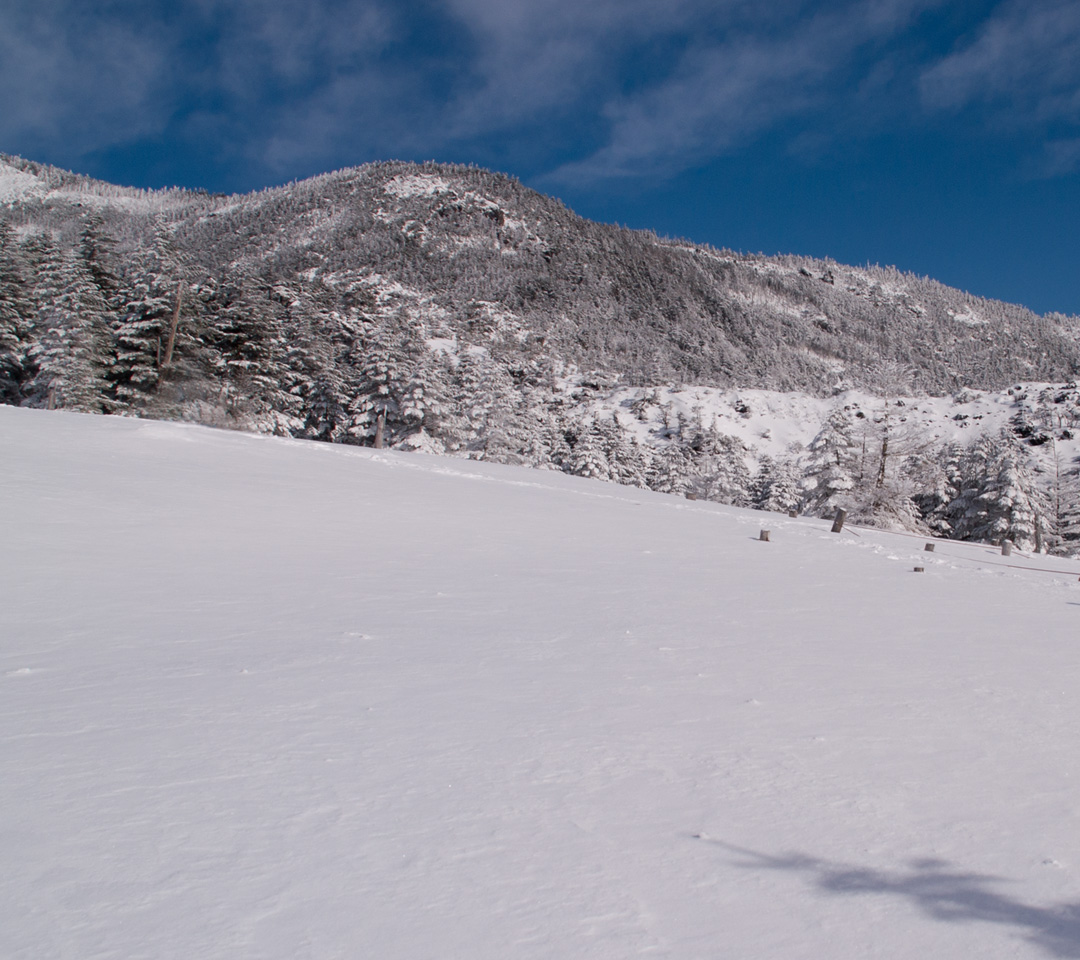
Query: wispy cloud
x=69, y=73
x=1059, y=159
x=728, y=91
x=599, y=89
x=1024, y=62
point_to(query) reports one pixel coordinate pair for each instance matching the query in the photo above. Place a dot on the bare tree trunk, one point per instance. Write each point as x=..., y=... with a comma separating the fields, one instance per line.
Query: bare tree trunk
x=167, y=359
x=884, y=460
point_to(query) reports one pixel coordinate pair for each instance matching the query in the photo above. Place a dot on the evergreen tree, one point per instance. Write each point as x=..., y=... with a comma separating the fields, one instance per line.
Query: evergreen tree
x=244, y=333
x=427, y=407
x=719, y=470
x=775, y=487
x=499, y=426
x=588, y=458
x=629, y=462
x=383, y=366
x=938, y=482
x=833, y=464
x=670, y=471
x=98, y=251
x=999, y=499
x=16, y=313
x=70, y=333
x=151, y=299
x=1069, y=517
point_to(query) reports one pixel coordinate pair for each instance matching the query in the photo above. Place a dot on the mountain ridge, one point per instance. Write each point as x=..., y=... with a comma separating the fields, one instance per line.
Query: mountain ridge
x=451, y=309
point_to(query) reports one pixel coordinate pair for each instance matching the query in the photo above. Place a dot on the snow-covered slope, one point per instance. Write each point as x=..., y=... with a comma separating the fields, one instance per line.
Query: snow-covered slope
x=37, y=185
x=269, y=698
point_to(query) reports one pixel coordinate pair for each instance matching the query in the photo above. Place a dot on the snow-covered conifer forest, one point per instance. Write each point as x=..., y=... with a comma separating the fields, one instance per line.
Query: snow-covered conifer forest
x=450, y=310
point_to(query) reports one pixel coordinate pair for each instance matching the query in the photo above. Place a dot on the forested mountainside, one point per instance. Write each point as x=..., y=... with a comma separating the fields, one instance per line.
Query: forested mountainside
x=451, y=309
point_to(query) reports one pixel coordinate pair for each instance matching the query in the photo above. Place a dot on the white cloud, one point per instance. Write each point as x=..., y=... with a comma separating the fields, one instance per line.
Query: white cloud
x=726, y=93
x=644, y=87
x=72, y=76
x=1025, y=61
x=1060, y=157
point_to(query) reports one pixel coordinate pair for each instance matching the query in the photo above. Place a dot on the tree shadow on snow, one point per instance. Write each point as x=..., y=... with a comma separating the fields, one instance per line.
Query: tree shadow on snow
x=937, y=889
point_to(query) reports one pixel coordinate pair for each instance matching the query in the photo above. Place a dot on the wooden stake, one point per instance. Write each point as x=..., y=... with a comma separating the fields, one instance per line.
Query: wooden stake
x=920, y=569
x=793, y=513
x=764, y=535
x=929, y=548
x=1006, y=548
x=380, y=425
x=838, y=520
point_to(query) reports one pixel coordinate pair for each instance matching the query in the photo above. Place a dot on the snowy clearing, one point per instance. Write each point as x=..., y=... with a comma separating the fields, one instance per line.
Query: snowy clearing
x=277, y=699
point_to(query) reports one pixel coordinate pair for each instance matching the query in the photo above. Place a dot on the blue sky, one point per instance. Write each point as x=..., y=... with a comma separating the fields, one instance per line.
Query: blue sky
x=942, y=137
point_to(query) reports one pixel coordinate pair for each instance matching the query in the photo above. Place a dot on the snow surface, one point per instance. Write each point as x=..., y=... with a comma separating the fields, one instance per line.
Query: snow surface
x=275, y=699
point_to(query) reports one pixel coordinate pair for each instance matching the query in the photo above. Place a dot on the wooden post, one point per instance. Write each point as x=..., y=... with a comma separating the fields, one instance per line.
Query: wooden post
x=380, y=425
x=764, y=535
x=1006, y=548
x=793, y=513
x=929, y=548
x=920, y=569
x=838, y=520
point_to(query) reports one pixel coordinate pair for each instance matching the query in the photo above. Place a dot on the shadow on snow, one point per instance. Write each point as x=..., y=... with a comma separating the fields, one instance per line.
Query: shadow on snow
x=936, y=888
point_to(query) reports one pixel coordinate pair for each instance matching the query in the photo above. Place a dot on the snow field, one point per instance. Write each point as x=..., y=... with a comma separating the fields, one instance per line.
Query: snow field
x=269, y=698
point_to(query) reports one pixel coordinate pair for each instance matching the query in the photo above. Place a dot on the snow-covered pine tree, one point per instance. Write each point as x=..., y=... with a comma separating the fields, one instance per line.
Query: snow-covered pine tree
x=775, y=486
x=999, y=499
x=16, y=312
x=319, y=342
x=719, y=462
x=964, y=514
x=499, y=426
x=588, y=458
x=98, y=251
x=938, y=481
x=832, y=467
x=427, y=407
x=150, y=305
x=628, y=461
x=383, y=358
x=670, y=470
x=1069, y=516
x=555, y=437
x=70, y=333
x=244, y=331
